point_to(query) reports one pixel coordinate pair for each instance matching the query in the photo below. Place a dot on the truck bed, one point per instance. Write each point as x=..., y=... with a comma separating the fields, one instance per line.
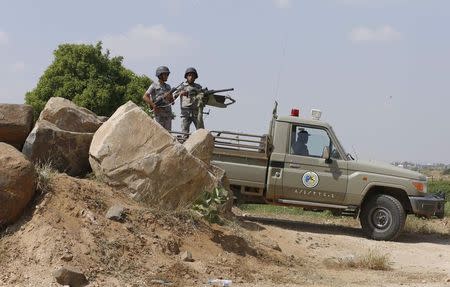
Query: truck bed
x=244, y=157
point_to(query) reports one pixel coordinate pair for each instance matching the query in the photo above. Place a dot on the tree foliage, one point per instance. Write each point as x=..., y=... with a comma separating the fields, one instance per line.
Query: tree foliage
x=90, y=78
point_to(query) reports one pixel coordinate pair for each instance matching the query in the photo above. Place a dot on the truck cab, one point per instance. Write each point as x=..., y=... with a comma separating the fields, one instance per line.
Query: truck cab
x=301, y=162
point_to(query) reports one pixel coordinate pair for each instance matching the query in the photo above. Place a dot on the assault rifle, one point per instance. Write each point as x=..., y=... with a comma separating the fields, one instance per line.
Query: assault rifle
x=159, y=102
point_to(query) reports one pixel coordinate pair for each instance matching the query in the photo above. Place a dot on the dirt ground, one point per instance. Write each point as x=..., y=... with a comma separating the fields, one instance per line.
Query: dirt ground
x=416, y=259
x=67, y=227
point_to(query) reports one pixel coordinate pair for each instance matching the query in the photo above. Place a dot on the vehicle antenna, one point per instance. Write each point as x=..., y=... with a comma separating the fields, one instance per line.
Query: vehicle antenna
x=283, y=53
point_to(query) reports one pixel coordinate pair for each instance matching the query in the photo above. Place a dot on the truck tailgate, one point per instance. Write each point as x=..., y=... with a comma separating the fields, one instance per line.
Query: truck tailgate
x=246, y=168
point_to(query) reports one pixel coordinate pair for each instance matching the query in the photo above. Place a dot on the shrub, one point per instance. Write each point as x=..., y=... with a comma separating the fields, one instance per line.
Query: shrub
x=371, y=260
x=209, y=204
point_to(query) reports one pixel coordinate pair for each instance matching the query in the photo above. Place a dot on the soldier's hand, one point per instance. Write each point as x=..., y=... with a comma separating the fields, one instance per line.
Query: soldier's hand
x=183, y=93
x=169, y=97
x=155, y=109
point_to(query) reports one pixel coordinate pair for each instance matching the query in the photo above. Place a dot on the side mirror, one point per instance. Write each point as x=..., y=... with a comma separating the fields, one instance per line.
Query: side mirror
x=326, y=154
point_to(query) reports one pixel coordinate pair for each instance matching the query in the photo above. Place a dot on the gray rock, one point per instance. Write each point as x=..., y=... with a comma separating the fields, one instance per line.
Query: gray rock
x=70, y=117
x=17, y=183
x=132, y=150
x=67, y=151
x=162, y=282
x=201, y=145
x=67, y=257
x=116, y=213
x=276, y=247
x=62, y=136
x=73, y=278
x=15, y=124
x=186, y=256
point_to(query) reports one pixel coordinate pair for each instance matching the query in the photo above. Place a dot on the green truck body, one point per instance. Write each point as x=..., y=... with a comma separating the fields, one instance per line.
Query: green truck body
x=269, y=169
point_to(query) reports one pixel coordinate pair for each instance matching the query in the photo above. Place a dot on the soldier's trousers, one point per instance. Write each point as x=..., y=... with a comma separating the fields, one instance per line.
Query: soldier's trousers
x=188, y=116
x=164, y=120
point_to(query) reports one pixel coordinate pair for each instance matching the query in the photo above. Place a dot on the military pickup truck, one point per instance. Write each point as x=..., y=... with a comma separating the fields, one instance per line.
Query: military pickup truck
x=301, y=162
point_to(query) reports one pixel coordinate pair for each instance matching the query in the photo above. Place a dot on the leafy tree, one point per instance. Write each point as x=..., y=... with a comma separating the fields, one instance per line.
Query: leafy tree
x=88, y=77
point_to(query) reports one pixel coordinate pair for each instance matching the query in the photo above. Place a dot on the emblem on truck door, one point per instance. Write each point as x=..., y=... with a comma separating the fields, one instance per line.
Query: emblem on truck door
x=310, y=179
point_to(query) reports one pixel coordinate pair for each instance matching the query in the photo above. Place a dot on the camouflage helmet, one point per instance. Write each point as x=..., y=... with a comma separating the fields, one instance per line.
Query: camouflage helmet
x=161, y=70
x=190, y=70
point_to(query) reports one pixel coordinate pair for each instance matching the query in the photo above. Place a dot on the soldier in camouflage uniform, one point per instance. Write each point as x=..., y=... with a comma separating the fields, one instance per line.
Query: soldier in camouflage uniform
x=158, y=92
x=189, y=100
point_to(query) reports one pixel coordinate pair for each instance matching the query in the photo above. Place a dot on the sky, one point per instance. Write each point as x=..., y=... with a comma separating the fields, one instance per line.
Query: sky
x=378, y=70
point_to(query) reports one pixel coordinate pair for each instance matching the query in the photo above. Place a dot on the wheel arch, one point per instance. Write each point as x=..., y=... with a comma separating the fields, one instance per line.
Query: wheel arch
x=394, y=191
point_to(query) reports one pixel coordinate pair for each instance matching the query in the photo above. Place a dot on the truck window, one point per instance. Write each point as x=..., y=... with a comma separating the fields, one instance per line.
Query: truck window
x=306, y=141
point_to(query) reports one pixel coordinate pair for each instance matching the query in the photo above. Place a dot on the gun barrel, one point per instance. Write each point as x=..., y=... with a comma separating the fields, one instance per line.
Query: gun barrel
x=210, y=92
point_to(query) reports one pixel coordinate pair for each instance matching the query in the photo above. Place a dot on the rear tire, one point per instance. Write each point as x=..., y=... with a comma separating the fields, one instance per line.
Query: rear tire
x=382, y=217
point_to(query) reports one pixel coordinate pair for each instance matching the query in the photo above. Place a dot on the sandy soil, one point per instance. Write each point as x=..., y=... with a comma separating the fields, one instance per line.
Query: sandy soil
x=67, y=227
x=416, y=259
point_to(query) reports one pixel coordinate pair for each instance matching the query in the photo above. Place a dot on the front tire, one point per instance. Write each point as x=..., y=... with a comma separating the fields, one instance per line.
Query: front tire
x=382, y=217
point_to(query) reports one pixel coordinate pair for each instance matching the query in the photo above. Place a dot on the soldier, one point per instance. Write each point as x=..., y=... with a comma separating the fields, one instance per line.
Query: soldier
x=300, y=147
x=189, y=101
x=158, y=92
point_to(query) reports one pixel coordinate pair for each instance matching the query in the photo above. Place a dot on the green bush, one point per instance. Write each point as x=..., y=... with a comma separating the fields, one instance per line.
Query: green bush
x=438, y=186
x=209, y=204
x=90, y=78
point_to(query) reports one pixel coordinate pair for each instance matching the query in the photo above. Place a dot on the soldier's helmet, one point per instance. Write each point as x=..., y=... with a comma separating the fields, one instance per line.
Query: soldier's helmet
x=161, y=70
x=190, y=70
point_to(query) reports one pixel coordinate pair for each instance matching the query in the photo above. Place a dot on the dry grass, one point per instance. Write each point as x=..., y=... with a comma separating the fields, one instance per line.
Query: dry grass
x=371, y=260
x=427, y=226
x=45, y=172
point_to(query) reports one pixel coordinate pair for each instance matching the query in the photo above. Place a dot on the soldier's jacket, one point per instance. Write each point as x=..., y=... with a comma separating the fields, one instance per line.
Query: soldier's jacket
x=189, y=101
x=156, y=91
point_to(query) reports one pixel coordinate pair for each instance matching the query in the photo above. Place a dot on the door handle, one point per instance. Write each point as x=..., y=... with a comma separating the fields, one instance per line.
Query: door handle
x=294, y=165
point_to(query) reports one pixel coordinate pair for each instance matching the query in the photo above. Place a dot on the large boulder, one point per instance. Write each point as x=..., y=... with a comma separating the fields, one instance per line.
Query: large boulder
x=15, y=124
x=133, y=151
x=62, y=136
x=70, y=117
x=201, y=145
x=66, y=151
x=17, y=183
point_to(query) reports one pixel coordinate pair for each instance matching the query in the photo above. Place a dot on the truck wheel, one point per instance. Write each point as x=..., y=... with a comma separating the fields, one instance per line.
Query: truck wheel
x=382, y=217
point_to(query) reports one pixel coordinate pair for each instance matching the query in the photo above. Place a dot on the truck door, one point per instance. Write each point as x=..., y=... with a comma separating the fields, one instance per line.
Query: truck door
x=306, y=175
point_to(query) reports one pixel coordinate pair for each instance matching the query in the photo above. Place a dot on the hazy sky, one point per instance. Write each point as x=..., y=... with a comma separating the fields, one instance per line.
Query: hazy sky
x=379, y=70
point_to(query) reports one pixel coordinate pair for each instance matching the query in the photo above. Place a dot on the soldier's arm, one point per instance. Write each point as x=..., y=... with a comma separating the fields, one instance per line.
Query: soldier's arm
x=169, y=94
x=182, y=92
x=148, y=98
